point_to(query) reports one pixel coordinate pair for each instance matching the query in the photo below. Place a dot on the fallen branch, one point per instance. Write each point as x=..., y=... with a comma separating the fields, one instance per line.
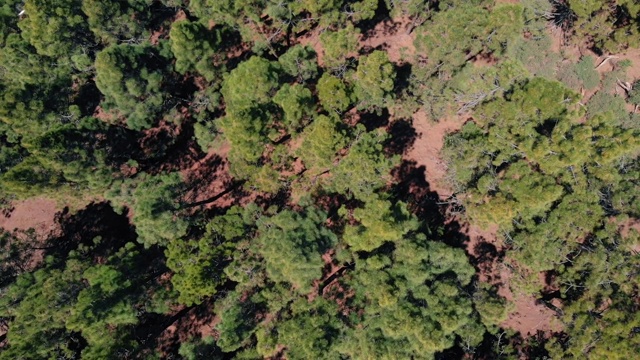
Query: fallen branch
x=624, y=85
x=605, y=60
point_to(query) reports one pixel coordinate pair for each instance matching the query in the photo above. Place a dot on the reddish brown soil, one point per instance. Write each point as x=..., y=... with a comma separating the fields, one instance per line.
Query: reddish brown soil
x=208, y=178
x=36, y=213
x=102, y=115
x=527, y=316
x=163, y=33
x=393, y=37
x=626, y=229
x=427, y=147
x=312, y=39
x=198, y=322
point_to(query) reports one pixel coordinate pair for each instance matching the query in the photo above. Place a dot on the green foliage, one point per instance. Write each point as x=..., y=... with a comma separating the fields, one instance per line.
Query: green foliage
x=71, y=151
x=114, y=21
x=75, y=308
x=297, y=103
x=580, y=75
x=56, y=29
x=364, y=169
x=321, y=141
x=339, y=45
x=598, y=22
x=601, y=320
x=374, y=80
x=40, y=303
x=603, y=102
x=30, y=178
x=334, y=94
x=194, y=47
x=329, y=262
x=197, y=265
x=393, y=315
x=475, y=85
x=492, y=308
x=551, y=198
x=585, y=71
x=634, y=94
x=379, y=221
x=247, y=134
x=292, y=244
x=205, y=134
x=300, y=62
x=413, y=8
x=536, y=55
x=130, y=84
x=308, y=336
x=237, y=321
x=467, y=30
x=248, y=91
x=250, y=85
x=8, y=20
x=200, y=349
x=153, y=200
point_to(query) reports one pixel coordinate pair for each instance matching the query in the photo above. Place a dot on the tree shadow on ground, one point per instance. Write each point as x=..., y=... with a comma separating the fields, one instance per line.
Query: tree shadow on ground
x=81, y=228
x=167, y=332
x=367, y=26
x=169, y=149
x=402, y=135
x=87, y=98
x=413, y=189
x=372, y=121
x=403, y=78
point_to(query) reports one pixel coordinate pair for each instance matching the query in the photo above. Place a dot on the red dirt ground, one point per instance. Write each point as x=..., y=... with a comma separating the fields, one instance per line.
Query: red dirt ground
x=392, y=36
x=389, y=35
x=209, y=177
x=625, y=230
x=427, y=147
x=526, y=317
x=36, y=213
x=198, y=322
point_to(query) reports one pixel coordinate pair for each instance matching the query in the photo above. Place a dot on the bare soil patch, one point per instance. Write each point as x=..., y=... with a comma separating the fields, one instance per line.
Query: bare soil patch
x=529, y=316
x=484, y=245
x=312, y=39
x=210, y=177
x=188, y=324
x=427, y=147
x=36, y=213
x=393, y=37
x=626, y=229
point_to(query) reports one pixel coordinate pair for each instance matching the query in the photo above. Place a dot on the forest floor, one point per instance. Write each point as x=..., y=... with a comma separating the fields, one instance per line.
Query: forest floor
x=209, y=177
x=36, y=213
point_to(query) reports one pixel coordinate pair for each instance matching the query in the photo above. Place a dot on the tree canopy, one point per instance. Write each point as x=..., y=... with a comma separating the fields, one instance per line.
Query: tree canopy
x=319, y=179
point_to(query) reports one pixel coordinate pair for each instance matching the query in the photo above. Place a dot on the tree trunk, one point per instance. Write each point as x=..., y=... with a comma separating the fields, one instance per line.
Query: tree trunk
x=231, y=188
